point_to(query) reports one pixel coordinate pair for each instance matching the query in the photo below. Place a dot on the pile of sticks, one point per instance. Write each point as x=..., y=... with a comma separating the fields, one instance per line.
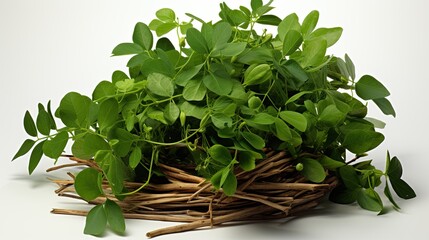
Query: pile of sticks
x=273, y=190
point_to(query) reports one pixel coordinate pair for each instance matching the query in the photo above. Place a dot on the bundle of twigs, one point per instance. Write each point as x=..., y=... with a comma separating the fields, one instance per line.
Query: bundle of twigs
x=273, y=190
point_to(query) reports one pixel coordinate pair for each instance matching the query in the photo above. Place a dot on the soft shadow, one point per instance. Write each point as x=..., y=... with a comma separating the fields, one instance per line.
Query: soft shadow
x=37, y=180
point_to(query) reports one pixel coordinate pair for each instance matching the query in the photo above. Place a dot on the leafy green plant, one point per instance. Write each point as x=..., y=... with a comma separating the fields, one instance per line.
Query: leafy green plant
x=215, y=101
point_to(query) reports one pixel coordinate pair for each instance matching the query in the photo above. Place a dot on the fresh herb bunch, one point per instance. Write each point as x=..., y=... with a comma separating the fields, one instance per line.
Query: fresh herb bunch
x=215, y=103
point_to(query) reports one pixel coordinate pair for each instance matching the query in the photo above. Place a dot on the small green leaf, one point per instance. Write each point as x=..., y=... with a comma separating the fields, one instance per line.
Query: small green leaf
x=402, y=189
x=297, y=96
x=295, y=119
x=255, y=4
x=51, y=116
x=160, y=84
x=183, y=77
x=221, y=120
x=115, y=217
x=195, y=90
x=309, y=23
x=116, y=175
x=385, y=106
x=230, y=185
x=369, y=88
x=127, y=49
x=331, y=116
x=350, y=67
x=196, y=41
x=163, y=29
x=74, y=110
x=349, y=177
x=87, y=146
x=291, y=43
x=135, y=157
x=330, y=163
x=389, y=196
x=361, y=141
x=108, y=114
x=104, y=89
x=220, y=154
x=246, y=160
x=166, y=15
x=370, y=200
x=221, y=34
x=263, y=119
x=313, y=170
x=96, y=221
x=343, y=195
x=269, y=20
x=87, y=185
x=313, y=53
x=395, y=168
x=330, y=35
x=54, y=147
x=43, y=121
x=29, y=125
x=192, y=110
x=143, y=36
x=256, y=141
x=289, y=23
x=218, y=83
x=35, y=157
x=216, y=179
x=230, y=50
x=171, y=112
x=118, y=76
x=282, y=130
x=25, y=148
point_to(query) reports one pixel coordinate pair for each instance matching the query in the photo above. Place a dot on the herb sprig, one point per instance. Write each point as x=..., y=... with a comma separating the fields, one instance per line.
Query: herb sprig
x=216, y=102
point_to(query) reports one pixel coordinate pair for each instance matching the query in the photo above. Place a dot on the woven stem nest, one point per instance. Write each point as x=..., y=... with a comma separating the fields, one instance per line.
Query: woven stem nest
x=273, y=190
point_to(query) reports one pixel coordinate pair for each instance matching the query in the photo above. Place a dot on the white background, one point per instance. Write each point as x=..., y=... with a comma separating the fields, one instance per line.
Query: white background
x=51, y=47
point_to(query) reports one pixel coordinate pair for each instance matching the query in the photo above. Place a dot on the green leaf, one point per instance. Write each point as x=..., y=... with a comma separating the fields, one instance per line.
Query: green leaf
x=309, y=23
x=313, y=53
x=116, y=175
x=377, y=123
x=255, y=4
x=54, y=147
x=221, y=121
x=282, y=130
x=104, y=89
x=269, y=20
x=51, y=117
x=291, y=43
x=127, y=49
x=196, y=41
x=295, y=119
x=192, y=110
x=29, y=125
x=87, y=184
x=96, y=221
x=263, y=119
x=160, y=84
x=369, y=88
x=370, y=200
x=256, y=141
x=171, y=112
x=143, y=36
x=289, y=23
x=221, y=34
x=183, y=77
x=25, y=148
x=74, y=110
x=389, y=196
x=220, y=154
x=230, y=50
x=166, y=15
x=331, y=116
x=330, y=163
x=230, y=185
x=297, y=72
x=246, y=160
x=313, y=170
x=350, y=67
x=361, y=141
x=35, y=157
x=118, y=76
x=330, y=35
x=402, y=189
x=349, y=177
x=108, y=114
x=297, y=96
x=216, y=179
x=43, y=121
x=115, y=217
x=163, y=29
x=218, y=83
x=385, y=106
x=87, y=146
x=195, y=90
x=395, y=168
x=135, y=157
x=343, y=195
